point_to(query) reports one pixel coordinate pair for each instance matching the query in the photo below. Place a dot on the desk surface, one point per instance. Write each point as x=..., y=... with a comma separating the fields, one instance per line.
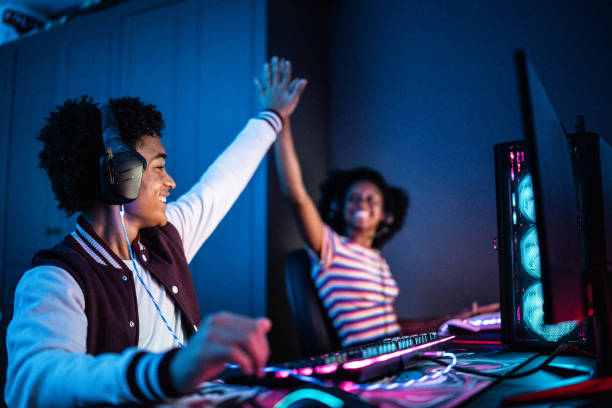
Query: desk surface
x=446, y=390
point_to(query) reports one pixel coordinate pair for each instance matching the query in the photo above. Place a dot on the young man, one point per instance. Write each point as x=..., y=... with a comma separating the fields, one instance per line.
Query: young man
x=99, y=321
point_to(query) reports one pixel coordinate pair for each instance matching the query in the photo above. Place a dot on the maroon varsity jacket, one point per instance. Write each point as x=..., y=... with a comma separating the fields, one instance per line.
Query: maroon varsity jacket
x=108, y=286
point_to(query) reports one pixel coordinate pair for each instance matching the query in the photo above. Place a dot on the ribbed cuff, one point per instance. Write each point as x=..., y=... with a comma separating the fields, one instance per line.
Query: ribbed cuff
x=165, y=379
x=148, y=376
x=273, y=118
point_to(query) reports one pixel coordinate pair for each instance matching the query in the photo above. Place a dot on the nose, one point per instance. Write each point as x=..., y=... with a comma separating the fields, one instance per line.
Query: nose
x=170, y=182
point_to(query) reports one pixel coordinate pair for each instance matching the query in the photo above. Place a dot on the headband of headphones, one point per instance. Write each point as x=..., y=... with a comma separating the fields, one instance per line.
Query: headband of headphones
x=121, y=167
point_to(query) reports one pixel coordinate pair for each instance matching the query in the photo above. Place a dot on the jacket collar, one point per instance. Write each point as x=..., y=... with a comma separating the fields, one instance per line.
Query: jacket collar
x=94, y=246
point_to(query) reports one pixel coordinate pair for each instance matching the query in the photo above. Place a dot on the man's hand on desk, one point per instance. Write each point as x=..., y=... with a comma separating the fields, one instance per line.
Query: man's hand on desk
x=223, y=338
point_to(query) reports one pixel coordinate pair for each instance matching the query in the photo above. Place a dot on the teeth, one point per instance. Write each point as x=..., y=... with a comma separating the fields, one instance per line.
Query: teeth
x=361, y=214
x=162, y=199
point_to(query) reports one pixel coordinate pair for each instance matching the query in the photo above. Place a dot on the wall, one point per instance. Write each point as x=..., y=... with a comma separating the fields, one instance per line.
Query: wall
x=423, y=90
x=298, y=31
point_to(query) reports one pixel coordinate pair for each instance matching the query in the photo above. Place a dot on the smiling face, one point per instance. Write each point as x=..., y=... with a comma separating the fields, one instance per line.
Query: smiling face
x=149, y=209
x=363, y=207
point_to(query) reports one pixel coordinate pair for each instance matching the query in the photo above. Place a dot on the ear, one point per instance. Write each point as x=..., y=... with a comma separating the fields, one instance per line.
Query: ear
x=388, y=219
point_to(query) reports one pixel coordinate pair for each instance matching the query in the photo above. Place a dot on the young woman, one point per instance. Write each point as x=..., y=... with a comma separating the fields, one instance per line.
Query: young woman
x=358, y=213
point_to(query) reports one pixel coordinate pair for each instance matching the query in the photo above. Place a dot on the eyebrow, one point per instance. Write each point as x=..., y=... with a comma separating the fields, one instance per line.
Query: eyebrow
x=160, y=156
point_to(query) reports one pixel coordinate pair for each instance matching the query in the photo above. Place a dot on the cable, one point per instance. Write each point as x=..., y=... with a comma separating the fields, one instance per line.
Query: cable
x=560, y=349
x=181, y=345
x=349, y=386
x=460, y=369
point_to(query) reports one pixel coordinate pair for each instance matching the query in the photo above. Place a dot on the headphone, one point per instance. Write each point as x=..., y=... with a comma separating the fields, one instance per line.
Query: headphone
x=121, y=167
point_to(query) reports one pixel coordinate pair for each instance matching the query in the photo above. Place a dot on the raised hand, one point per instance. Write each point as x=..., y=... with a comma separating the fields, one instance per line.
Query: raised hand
x=223, y=338
x=277, y=90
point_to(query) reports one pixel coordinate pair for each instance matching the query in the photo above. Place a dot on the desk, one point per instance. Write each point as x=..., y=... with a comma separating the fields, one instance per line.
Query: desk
x=448, y=390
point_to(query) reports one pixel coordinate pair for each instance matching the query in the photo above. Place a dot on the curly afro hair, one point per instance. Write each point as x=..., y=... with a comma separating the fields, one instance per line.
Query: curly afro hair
x=72, y=145
x=333, y=194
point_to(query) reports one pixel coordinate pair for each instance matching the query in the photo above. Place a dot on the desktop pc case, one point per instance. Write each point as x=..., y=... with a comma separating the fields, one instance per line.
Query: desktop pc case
x=521, y=296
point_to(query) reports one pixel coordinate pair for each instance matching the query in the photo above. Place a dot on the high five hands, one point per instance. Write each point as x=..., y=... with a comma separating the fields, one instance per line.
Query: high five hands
x=277, y=91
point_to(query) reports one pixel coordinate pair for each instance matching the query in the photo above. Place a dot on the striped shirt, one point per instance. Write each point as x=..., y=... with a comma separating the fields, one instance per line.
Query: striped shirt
x=357, y=289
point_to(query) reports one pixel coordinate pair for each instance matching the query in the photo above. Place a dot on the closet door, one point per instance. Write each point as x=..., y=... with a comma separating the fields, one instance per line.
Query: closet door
x=32, y=216
x=7, y=71
x=86, y=66
x=29, y=216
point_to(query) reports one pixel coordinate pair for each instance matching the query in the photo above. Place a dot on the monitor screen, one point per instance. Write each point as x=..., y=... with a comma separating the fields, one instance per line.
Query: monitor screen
x=554, y=200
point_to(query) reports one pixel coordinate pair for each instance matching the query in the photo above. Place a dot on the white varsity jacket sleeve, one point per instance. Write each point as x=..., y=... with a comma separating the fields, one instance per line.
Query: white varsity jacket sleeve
x=46, y=343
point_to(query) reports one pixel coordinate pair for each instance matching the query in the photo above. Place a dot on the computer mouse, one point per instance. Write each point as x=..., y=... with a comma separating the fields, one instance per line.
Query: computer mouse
x=308, y=403
x=322, y=398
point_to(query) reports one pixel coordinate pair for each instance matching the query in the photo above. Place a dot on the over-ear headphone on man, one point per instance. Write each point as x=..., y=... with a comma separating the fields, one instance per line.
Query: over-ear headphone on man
x=121, y=167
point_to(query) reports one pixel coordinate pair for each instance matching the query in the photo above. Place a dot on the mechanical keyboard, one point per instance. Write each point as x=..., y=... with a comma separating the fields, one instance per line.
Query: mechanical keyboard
x=360, y=363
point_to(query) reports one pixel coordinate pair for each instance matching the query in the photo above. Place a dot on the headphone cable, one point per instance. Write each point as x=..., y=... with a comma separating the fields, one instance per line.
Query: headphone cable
x=181, y=345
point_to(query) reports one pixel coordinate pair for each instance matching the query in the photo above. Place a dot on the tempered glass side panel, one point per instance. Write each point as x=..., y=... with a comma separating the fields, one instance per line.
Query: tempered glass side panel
x=519, y=257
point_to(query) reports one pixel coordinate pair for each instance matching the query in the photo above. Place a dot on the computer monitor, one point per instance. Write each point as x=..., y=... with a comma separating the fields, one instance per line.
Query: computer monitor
x=571, y=199
x=570, y=205
x=555, y=200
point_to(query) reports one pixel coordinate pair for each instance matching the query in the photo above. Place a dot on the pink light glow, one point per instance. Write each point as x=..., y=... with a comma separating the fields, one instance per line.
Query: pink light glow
x=306, y=371
x=282, y=374
x=476, y=342
x=511, y=157
x=347, y=385
x=326, y=369
x=354, y=365
x=518, y=314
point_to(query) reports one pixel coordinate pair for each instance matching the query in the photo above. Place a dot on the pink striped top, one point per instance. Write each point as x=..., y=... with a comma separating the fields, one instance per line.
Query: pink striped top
x=355, y=284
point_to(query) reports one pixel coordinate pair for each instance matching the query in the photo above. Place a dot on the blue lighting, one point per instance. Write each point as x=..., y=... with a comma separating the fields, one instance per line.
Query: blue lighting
x=312, y=394
x=533, y=315
x=525, y=198
x=530, y=253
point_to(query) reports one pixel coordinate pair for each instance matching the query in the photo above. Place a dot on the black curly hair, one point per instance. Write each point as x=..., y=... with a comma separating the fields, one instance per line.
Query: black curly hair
x=333, y=194
x=72, y=145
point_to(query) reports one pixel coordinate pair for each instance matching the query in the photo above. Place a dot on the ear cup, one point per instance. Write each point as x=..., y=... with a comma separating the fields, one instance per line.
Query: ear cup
x=121, y=167
x=334, y=208
x=121, y=175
